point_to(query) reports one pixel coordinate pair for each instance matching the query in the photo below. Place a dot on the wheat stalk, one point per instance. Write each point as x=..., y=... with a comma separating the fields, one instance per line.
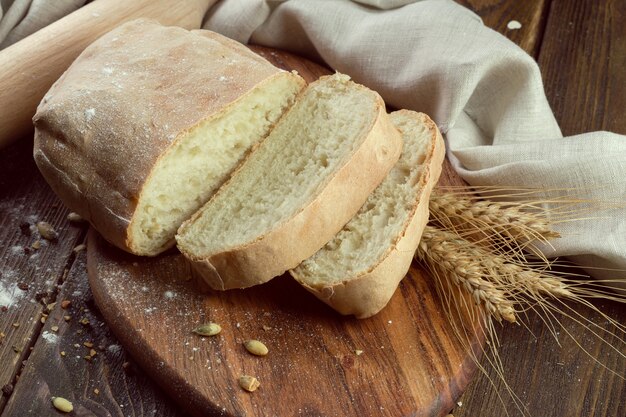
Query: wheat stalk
x=462, y=262
x=496, y=224
x=478, y=246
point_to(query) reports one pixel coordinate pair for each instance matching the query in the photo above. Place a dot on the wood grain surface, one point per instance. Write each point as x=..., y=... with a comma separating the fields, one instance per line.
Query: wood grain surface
x=583, y=63
x=531, y=14
x=412, y=364
x=61, y=364
x=30, y=276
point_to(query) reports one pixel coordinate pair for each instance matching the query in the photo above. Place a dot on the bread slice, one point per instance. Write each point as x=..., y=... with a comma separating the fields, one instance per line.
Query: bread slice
x=358, y=271
x=291, y=195
x=149, y=121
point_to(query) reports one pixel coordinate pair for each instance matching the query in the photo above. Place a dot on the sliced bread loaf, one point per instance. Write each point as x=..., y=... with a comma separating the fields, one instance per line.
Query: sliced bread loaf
x=297, y=189
x=148, y=122
x=358, y=271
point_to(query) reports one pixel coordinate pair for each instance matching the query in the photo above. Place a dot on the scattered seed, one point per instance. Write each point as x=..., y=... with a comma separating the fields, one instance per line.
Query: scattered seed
x=249, y=383
x=16, y=325
x=54, y=328
x=209, y=329
x=84, y=321
x=74, y=217
x=67, y=318
x=358, y=352
x=80, y=248
x=7, y=390
x=47, y=231
x=96, y=391
x=65, y=304
x=36, y=244
x=88, y=344
x=50, y=307
x=65, y=272
x=76, y=345
x=256, y=347
x=62, y=353
x=2, y=336
x=92, y=352
x=62, y=404
x=22, y=286
x=266, y=328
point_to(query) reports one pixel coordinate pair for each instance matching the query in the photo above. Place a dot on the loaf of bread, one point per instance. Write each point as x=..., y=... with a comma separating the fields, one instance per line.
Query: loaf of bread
x=148, y=122
x=358, y=271
x=297, y=189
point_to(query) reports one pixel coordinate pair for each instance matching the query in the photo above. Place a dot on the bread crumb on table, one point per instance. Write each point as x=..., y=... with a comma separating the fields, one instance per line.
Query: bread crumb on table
x=514, y=25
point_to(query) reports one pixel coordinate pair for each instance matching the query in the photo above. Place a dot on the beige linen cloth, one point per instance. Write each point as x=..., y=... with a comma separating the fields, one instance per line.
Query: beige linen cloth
x=435, y=56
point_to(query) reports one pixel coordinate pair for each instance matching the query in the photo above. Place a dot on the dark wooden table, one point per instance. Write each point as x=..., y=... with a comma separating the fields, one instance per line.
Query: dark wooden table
x=49, y=348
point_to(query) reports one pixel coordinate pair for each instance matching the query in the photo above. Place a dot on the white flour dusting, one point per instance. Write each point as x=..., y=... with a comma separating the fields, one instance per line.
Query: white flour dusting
x=114, y=348
x=9, y=293
x=89, y=114
x=49, y=337
x=17, y=250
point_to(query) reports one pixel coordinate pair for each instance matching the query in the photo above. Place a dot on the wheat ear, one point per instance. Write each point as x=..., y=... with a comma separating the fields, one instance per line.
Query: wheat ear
x=495, y=224
x=461, y=261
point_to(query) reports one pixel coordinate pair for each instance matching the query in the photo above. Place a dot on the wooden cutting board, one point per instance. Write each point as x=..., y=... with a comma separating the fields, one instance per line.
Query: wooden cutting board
x=410, y=365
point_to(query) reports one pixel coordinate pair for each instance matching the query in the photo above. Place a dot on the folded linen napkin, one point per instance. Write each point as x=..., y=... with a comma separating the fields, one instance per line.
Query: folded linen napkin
x=435, y=56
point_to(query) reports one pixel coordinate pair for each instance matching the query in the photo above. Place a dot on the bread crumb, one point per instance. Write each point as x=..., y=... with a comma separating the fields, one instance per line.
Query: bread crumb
x=514, y=25
x=74, y=217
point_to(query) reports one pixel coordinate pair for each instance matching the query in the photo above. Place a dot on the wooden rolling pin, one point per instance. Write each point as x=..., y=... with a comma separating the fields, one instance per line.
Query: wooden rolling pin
x=32, y=65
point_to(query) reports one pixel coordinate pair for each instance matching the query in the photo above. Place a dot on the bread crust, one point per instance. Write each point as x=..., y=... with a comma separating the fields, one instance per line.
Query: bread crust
x=366, y=294
x=300, y=236
x=123, y=103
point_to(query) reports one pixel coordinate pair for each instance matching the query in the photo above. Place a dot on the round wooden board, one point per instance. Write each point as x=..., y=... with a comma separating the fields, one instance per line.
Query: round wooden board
x=411, y=364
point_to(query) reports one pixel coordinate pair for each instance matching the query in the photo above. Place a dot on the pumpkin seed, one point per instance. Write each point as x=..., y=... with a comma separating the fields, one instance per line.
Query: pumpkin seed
x=249, y=383
x=74, y=217
x=62, y=404
x=255, y=347
x=47, y=231
x=209, y=329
